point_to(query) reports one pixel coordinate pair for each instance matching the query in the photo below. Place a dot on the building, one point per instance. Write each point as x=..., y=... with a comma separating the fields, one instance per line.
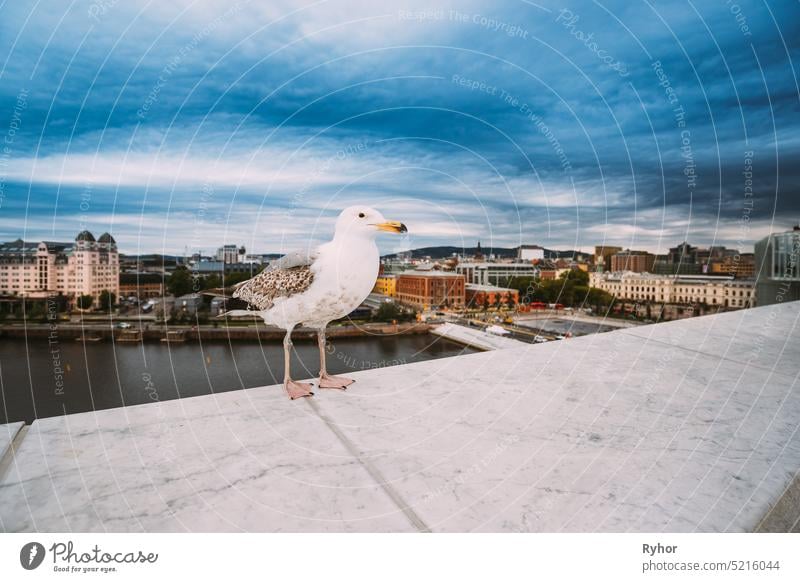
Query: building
x=220, y=268
x=141, y=285
x=741, y=266
x=719, y=291
x=681, y=260
x=190, y=303
x=150, y=263
x=229, y=254
x=39, y=270
x=602, y=256
x=386, y=285
x=495, y=273
x=477, y=296
x=530, y=253
x=683, y=253
x=554, y=273
x=431, y=289
x=778, y=267
x=636, y=261
x=662, y=266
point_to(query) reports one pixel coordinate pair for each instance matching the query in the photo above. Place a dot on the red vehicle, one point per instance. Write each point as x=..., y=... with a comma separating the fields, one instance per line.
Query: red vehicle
x=537, y=305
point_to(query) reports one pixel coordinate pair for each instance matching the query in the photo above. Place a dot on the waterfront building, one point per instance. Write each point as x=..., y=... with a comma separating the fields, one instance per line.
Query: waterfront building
x=87, y=266
x=431, y=289
x=778, y=267
x=141, y=285
x=720, y=291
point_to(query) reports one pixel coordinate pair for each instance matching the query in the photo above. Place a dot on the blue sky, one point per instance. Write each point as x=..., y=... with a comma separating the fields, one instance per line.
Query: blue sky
x=187, y=125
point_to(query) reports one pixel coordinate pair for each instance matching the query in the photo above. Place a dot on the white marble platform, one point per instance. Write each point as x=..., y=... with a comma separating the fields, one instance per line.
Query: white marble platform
x=475, y=338
x=7, y=434
x=672, y=427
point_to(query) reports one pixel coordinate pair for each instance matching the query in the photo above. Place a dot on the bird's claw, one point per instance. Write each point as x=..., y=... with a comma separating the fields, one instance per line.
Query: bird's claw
x=334, y=382
x=297, y=390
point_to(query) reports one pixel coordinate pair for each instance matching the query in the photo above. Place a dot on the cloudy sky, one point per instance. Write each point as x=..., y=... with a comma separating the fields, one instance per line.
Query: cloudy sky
x=189, y=124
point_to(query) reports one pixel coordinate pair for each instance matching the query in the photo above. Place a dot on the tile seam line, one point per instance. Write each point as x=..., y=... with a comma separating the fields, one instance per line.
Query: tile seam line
x=415, y=520
x=13, y=446
x=710, y=355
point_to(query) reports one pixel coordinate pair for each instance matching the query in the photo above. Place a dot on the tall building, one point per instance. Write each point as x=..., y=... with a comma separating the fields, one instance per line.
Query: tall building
x=478, y=252
x=602, y=256
x=39, y=270
x=636, y=261
x=430, y=289
x=683, y=253
x=778, y=267
x=229, y=254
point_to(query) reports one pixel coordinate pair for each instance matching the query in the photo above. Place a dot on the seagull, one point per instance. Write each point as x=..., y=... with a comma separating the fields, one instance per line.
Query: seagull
x=314, y=288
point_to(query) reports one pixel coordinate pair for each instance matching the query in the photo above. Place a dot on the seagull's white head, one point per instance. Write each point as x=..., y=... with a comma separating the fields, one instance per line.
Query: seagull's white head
x=363, y=221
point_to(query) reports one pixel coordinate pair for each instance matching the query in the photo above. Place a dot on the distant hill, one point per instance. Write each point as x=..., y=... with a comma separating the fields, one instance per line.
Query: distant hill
x=445, y=252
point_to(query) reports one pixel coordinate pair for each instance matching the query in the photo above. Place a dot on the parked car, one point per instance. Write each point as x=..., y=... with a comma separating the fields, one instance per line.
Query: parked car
x=124, y=325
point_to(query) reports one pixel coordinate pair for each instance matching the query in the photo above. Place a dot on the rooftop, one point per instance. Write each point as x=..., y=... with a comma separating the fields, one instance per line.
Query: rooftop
x=721, y=278
x=490, y=264
x=417, y=273
x=683, y=426
x=477, y=287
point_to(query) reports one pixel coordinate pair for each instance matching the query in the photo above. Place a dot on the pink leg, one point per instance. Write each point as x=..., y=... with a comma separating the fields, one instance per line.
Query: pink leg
x=326, y=380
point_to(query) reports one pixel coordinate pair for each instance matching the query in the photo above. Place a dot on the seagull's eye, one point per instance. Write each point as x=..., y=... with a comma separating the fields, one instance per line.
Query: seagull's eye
x=361, y=215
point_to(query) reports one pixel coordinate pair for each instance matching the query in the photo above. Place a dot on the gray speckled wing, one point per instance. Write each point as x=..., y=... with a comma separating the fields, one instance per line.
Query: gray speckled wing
x=262, y=290
x=293, y=259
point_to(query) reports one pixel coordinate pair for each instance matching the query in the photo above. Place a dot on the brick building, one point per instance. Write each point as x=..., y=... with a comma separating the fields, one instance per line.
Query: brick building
x=635, y=261
x=479, y=295
x=141, y=285
x=431, y=289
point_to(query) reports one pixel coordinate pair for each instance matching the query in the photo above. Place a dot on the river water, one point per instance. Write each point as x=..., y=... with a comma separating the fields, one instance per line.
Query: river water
x=40, y=380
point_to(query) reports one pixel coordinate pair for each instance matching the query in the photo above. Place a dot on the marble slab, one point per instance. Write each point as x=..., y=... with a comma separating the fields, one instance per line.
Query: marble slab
x=666, y=428
x=765, y=337
x=608, y=432
x=7, y=434
x=240, y=461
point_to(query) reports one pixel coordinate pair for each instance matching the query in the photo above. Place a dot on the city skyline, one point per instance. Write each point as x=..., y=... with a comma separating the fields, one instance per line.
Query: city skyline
x=255, y=125
x=212, y=250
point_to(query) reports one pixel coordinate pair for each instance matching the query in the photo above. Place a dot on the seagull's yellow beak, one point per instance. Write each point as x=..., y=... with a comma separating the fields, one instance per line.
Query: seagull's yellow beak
x=392, y=226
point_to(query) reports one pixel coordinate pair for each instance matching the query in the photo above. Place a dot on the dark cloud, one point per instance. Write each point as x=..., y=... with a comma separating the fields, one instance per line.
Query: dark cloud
x=513, y=121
